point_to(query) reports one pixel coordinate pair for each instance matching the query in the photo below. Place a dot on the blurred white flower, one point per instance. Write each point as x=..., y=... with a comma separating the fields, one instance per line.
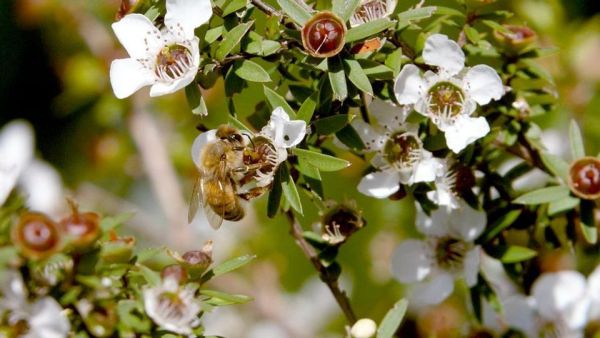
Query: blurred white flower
x=450, y=96
x=44, y=317
x=445, y=186
x=172, y=307
x=371, y=10
x=166, y=59
x=447, y=253
x=558, y=306
x=41, y=184
x=363, y=328
x=399, y=154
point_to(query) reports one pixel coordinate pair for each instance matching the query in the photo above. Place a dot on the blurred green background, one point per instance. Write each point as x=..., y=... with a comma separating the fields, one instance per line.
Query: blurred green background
x=133, y=155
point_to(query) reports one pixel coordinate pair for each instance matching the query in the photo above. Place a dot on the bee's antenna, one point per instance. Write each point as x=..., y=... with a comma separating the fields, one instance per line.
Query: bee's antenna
x=249, y=139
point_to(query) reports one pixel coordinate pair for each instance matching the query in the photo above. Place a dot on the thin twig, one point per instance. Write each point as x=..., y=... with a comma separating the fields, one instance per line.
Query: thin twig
x=333, y=285
x=265, y=8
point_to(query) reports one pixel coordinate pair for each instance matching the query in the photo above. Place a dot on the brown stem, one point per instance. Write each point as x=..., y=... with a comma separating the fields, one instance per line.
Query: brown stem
x=333, y=285
x=265, y=8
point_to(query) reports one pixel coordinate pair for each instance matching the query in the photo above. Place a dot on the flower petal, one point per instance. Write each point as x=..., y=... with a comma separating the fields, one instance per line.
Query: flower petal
x=43, y=187
x=483, y=84
x=519, y=312
x=16, y=149
x=594, y=293
x=372, y=138
x=282, y=131
x=127, y=76
x=411, y=262
x=47, y=320
x=466, y=223
x=471, y=264
x=465, y=131
x=389, y=116
x=562, y=296
x=444, y=53
x=409, y=86
x=163, y=88
x=379, y=184
x=199, y=143
x=433, y=290
x=435, y=225
x=426, y=170
x=138, y=35
x=188, y=14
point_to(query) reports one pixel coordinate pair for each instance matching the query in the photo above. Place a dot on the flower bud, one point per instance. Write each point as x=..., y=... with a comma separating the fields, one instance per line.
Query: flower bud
x=339, y=221
x=195, y=262
x=324, y=35
x=515, y=39
x=176, y=272
x=100, y=319
x=117, y=250
x=584, y=178
x=82, y=229
x=36, y=236
x=363, y=328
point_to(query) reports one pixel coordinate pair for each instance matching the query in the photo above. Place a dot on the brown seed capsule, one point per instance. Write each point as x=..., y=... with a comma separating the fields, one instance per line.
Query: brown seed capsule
x=83, y=228
x=584, y=178
x=515, y=39
x=195, y=262
x=36, y=235
x=324, y=35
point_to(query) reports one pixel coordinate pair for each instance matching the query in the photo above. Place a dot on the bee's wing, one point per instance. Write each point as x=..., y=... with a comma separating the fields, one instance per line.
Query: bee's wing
x=196, y=199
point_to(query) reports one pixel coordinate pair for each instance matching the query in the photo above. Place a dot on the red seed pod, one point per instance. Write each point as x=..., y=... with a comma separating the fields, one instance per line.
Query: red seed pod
x=83, y=228
x=36, y=235
x=584, y=178
x=324, y=35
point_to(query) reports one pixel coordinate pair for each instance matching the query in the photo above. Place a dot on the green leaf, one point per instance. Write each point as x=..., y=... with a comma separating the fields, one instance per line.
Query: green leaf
x=109, y=223
x=238, y=124
x=349, y=137
x=358, y=77
x=233, y=6
x=370, y=28
x=307, y=109
x=544, y=195
x=274, y=200
x=500, y=224
x=252, y=71
x=231, y=265
x=308, y=169
x=557, y=166
x=213, y=34
x=588, y=222
x=152, y=277
x=337, y=79
x=562, y=205
x=512, y=254
x=295, y=11
x=345, y=8
x=275, y=100
x=331, y=124
x=222, y=298
x=405, y=18
x=290, y=191
x=577, y=148
x=321, y=161
x=195, y=99
x=392, y=320
x=232, y=39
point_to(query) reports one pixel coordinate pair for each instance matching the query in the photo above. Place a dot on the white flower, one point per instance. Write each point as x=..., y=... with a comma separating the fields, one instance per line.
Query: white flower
x=445, y=193
x=363, y=328
x=558, y=306
x=172, y=307
x=283, y=132
x=448, y=252
x=40, y=183
x=44, y=317
x=450, y=96
x=166, y=59
x=370, y=10
x=399, y=154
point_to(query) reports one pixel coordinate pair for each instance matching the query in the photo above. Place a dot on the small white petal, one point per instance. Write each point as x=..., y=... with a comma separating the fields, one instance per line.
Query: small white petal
x=187, y=13
x=388, y=115
x=411, y=261
x=284, y=132
x=127, y=76
x=594, y=293
x=43, y=187
x=379, y=184
x=465, y=131
x=471, y=265
x=409, y=86
x=433, y=290
x=199, y=143
x=138, y=36
x=483, y=84
x=372, y=138
x=363, y=328
x=559, y=294
x=519, y=312
x=161, y=88
x=444, y=53
x=426, y=170
x=16, y=152
x=435, y=225
x=466, y=223
x=47, y=320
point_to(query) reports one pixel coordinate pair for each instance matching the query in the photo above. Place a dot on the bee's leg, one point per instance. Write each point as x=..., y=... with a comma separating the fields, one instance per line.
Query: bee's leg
x=247, y=168
x=253, y=193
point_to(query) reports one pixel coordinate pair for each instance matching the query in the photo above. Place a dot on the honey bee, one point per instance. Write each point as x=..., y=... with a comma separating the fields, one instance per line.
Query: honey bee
x=216, y=188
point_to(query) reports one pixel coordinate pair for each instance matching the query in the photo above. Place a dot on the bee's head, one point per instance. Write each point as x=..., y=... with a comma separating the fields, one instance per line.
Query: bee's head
x=229, y=133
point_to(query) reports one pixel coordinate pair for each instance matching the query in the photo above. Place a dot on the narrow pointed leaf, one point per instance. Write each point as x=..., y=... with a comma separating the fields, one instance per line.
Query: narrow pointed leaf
x=556, y=165
x=370, y=28
x=307, y=109
x=357, y=76
x=337, y=79
x=275, y=100
x=232, y=39
x=562, y=205
x=588, y=222
x=321, y=161
x=295, y=11
x=392, y=320
x=577, y=148
x=195, y=99
x=252, y=71
x=345, y=8
x=290, y=191
x=512, y=254
x=231, y=265
x=544, y=195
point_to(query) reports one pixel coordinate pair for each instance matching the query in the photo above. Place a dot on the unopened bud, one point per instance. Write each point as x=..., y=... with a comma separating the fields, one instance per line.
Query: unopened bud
x=82, y=228
x=364, y=328
x=36, y=236
x=584, y=178
x=117, y=250
x=195, y=262
x=324, y=35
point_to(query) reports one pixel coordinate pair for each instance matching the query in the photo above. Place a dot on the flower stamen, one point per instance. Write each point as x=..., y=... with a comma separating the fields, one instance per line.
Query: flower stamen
x=173, y=62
